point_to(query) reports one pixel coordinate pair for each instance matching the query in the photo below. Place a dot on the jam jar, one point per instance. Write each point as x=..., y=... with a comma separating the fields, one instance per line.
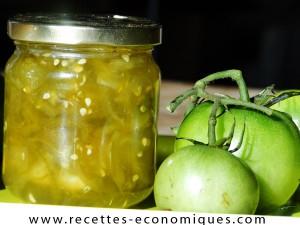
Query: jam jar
x=80, y=113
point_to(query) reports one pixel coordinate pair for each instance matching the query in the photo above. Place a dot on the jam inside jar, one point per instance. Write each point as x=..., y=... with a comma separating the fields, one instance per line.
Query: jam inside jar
x=80, y=119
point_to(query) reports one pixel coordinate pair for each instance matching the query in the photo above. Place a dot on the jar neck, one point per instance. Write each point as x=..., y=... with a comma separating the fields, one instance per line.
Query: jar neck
x=82, y=48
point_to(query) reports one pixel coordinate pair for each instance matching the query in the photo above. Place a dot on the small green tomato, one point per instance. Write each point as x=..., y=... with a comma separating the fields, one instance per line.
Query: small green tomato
x=201, y=178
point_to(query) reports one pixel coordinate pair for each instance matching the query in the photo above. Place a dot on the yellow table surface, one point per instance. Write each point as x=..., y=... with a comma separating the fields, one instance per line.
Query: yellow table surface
x=6, y=196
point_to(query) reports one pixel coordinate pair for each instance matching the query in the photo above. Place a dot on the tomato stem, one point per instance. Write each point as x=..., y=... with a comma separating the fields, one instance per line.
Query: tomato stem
x=199, y=91
x=212, y=123
x=235, y=75
x=231, y=101
x=224, y=100
x=179, y=99
x=200, y=86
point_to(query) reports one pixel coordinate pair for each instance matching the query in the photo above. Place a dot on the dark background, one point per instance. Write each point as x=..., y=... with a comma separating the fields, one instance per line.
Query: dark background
x=260, y=37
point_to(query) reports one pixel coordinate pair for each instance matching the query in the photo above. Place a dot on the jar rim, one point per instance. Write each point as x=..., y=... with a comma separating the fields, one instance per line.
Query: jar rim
x=84, y=29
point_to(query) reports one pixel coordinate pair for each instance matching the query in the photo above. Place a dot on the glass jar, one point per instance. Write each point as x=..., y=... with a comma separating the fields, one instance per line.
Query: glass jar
x=81, y=103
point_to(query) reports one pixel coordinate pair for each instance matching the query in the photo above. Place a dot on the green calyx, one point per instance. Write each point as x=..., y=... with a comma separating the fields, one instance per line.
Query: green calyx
x=269, y=96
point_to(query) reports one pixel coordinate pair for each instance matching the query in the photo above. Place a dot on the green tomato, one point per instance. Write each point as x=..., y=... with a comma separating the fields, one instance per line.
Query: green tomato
x=206, y=179
x=269, y=145
x=287, y=101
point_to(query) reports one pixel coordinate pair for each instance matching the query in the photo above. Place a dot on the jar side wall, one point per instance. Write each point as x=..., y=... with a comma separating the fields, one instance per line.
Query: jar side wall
x=81, y=126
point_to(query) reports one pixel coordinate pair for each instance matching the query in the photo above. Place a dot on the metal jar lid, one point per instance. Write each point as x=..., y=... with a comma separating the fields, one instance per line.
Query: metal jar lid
x=84, y=29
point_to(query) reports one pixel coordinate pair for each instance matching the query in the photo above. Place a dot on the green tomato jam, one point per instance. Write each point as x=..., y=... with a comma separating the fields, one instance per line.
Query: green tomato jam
x=80, y=124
